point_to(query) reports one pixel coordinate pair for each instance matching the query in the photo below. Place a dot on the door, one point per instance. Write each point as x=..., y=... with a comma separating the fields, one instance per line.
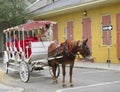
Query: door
x=86, y=31
x=70, y=30
x=118, y=36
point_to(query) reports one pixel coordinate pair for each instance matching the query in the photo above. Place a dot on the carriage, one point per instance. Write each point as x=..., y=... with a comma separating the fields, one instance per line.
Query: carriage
x=27, y=48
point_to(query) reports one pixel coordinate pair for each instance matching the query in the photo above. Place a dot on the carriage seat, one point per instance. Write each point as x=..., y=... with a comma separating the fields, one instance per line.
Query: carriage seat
x=39, y=50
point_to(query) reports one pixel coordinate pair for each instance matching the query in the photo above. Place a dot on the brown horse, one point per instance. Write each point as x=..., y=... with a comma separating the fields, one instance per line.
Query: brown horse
x=68, y=50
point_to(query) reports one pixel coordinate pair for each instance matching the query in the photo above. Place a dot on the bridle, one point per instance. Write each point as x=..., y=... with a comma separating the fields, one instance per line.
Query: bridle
x=84, y=48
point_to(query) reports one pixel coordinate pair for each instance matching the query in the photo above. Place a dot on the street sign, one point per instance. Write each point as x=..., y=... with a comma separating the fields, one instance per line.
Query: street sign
x=107, y=28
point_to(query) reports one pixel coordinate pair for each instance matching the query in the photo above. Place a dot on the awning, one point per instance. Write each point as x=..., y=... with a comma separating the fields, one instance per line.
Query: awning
x=30, y=26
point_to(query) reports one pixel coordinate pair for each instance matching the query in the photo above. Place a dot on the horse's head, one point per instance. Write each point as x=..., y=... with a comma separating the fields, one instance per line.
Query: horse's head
x=84, y=50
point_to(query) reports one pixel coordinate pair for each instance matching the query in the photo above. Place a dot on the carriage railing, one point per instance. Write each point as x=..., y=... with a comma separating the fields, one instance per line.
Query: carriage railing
x=28, y=48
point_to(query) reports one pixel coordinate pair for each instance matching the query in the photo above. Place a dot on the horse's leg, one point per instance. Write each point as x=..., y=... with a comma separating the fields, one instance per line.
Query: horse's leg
x=64, y=73
x=71, y=72
x=54, y=73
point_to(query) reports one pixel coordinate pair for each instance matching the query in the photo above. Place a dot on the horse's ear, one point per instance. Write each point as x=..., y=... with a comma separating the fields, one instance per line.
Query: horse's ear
x=85, y=40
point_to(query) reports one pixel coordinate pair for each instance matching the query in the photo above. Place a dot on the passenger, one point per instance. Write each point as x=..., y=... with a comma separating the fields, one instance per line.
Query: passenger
x=41, y=36
x=11, y=39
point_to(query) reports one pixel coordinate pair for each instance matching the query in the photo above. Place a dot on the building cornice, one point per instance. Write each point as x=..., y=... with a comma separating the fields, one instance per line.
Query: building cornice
x=53, y=10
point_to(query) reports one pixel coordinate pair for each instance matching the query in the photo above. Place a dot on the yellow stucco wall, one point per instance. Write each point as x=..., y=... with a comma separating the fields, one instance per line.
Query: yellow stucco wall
x=99, y=52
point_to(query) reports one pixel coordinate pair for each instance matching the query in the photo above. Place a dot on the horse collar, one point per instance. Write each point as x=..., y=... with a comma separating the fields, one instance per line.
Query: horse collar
x=66, y=48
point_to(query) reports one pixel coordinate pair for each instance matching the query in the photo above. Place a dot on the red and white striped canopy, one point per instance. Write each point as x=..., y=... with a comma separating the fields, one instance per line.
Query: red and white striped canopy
x=30, y=26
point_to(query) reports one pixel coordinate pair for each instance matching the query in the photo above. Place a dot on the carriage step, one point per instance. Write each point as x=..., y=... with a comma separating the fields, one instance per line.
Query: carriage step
x=14, y=64
x=12, y=69
x=13, y=59
x=38, y=65
x=41, y=68
x=46, y=67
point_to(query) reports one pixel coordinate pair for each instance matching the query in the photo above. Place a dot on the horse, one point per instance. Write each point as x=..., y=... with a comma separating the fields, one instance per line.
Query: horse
x=68, y=50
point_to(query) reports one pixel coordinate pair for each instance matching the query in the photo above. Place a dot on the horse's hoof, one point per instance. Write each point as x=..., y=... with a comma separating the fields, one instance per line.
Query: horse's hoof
x=71, y=85
x=55, y=82
x=64, y=85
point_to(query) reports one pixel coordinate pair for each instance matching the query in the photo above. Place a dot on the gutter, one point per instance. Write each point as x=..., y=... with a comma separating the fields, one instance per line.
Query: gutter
x=72, y=7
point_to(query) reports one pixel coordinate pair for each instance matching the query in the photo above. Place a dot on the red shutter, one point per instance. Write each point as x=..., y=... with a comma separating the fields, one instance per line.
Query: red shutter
x=86, y=31
x=70, y=30
x=55, y=32
x=106, y=35
x=118, y=36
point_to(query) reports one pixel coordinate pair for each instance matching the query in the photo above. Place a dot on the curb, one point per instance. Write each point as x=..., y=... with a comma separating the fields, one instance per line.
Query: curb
x=94, y=65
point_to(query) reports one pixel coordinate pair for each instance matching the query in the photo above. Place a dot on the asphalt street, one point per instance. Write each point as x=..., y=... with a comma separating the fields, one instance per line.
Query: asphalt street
x=84, y=79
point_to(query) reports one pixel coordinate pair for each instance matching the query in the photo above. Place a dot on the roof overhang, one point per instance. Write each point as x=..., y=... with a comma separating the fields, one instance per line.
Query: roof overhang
x=72, y=8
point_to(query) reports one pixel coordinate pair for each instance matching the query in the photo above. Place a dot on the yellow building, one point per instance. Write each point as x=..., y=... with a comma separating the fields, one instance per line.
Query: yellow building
x=97, y=20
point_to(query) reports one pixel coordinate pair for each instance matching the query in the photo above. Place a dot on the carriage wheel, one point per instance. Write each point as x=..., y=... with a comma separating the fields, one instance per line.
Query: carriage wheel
x=24, y=72
x=5, y=67
x=57, y=71
x=5, y=63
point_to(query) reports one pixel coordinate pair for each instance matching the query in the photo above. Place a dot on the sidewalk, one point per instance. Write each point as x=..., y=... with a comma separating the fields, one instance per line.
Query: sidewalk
x=5, y=88
x=97, y=65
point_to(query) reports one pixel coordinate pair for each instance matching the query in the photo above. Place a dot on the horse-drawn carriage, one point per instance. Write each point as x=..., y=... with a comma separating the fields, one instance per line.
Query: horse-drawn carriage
x=26, y=50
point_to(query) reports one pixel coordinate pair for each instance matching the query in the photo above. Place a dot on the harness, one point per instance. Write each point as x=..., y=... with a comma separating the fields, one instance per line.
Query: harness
x=66, y=48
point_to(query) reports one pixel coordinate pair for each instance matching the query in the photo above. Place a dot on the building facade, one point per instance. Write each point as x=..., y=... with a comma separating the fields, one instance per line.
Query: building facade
x=97, y=20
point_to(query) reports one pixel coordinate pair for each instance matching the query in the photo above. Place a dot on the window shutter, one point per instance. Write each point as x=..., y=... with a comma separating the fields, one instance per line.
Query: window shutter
x=106, y=35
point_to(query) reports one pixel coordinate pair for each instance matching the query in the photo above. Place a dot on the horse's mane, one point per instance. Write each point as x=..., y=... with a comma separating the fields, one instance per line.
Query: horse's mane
x=74, y=44
x=71, y=47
